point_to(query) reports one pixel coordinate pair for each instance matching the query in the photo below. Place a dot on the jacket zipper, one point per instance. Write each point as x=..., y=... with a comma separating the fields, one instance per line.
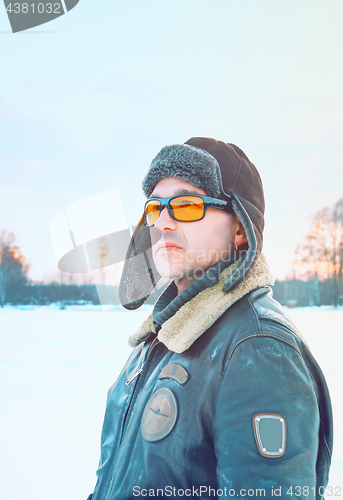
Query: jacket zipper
x=134, y=376
x=139, y=371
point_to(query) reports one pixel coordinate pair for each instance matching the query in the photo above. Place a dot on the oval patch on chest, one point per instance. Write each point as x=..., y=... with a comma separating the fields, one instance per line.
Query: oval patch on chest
x=159, y=416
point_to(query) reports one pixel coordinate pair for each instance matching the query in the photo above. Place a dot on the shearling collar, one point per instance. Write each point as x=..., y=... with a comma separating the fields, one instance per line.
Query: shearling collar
x=195, y=317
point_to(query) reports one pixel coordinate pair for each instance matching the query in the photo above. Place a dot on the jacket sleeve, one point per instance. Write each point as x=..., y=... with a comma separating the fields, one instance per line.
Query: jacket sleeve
x=266, y=376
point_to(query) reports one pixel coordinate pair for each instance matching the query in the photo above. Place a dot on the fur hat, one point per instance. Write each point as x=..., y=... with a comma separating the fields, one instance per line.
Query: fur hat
x=185, y=162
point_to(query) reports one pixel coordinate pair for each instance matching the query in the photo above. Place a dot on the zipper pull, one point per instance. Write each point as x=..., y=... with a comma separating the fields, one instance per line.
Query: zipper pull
x=134, y=375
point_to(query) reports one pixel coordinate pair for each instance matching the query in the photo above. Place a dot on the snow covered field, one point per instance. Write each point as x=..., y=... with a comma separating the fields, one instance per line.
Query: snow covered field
x=56, y=367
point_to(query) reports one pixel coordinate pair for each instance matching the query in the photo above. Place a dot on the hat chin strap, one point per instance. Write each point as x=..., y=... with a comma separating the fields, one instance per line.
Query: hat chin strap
x=248, y=258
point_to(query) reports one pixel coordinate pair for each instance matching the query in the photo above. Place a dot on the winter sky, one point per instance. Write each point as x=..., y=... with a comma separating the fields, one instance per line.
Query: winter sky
x=87, y=100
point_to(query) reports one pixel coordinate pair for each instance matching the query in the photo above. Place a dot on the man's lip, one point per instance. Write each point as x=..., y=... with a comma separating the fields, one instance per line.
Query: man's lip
x=166, y=245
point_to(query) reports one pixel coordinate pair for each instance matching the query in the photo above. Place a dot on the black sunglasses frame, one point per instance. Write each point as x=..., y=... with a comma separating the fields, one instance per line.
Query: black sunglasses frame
x=208, y=203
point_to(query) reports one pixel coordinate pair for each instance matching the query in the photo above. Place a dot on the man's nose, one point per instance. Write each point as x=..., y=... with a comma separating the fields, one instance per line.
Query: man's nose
x=165, y=221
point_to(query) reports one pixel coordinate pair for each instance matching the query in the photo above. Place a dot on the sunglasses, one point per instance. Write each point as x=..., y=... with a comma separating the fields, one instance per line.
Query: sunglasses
x=182, y=208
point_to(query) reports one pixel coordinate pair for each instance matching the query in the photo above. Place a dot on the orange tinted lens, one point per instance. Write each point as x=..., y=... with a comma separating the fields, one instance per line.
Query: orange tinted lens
x=152, y=212
x=187, y=208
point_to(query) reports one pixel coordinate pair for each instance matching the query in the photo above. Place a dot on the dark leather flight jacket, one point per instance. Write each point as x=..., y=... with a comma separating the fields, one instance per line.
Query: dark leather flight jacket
x=176, y=424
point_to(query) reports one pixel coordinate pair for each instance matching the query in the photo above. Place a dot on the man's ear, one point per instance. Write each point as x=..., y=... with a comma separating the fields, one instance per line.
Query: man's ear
x=239, y=237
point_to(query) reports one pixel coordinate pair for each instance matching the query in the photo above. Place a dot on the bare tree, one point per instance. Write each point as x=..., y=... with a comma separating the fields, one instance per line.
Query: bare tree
x=6, y=242
x=13, y=269
x=322, y=250
x=337, y=237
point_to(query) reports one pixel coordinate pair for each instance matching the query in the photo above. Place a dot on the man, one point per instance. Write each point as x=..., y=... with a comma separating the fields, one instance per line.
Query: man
x=221, y=395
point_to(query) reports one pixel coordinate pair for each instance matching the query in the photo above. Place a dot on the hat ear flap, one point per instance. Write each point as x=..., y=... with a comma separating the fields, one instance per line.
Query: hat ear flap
x=139, y=276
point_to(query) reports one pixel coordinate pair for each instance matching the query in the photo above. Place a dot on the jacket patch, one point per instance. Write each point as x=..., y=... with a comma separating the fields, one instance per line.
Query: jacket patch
x=159, y=415
x=270, y=434
x=175, y=372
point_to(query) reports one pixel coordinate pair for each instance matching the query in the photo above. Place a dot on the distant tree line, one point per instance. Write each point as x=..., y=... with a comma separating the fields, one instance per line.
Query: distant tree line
x=317, y=272
x=300, y=293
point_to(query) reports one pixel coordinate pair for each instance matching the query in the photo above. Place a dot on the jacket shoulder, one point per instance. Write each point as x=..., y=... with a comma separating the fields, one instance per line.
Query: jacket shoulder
x=271, y=314
x=257, y=314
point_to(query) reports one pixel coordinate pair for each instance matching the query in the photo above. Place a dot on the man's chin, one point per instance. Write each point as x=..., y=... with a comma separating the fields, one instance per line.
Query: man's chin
x=176, y=273
x=168, y=273
x=168, y=270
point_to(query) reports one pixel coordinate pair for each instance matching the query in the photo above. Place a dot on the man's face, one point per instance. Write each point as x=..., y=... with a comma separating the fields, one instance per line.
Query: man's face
x=187, y=249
